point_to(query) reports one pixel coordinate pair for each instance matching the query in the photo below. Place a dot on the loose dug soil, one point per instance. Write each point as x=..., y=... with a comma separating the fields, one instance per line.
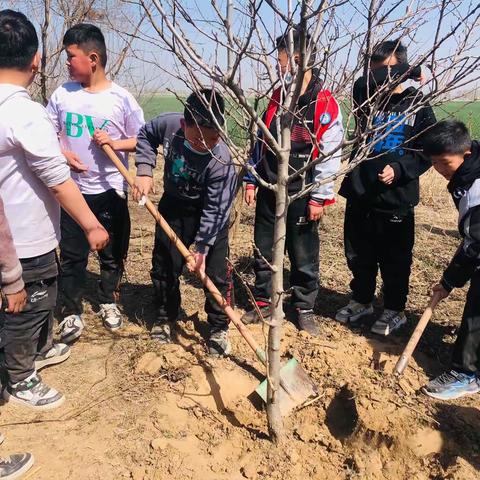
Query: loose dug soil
x=138, y=410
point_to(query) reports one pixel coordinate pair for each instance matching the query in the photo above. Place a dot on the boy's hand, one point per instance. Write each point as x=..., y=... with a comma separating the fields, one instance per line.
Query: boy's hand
x=250, y=196
x=101, y=138
x=387, y=176
x=143, y=186
x=74, y=162
x=315, y=212
x=422, y=79
x=97, y=238
x=16, y=301
x=439, y=291
x=199, y=265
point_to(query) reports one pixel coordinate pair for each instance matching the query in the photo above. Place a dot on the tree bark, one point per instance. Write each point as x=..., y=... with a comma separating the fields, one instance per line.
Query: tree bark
x=45, y=50
x=275, y=422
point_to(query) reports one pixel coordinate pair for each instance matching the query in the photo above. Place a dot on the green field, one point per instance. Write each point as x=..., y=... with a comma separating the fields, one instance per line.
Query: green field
x=466, y=111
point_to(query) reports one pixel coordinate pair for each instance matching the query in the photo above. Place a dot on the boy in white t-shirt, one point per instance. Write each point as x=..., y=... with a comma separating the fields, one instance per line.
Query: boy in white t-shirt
x=89, y=112
x=34, y=176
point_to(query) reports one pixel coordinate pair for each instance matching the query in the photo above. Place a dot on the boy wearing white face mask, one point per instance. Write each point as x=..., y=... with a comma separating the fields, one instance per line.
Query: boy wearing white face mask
x=317, y=116
x=199, y=188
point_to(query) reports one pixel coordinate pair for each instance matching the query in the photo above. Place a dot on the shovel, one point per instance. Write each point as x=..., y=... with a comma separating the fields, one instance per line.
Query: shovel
x=296, y=387
x=416, y=335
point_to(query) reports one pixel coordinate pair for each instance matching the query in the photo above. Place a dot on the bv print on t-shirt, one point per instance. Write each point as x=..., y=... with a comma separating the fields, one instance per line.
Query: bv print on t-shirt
x=77, y=124
x=77, y=113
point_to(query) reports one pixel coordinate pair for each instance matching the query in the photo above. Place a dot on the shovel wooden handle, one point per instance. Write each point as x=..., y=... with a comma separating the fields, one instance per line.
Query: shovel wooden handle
x=206, y=281
x=416, y=335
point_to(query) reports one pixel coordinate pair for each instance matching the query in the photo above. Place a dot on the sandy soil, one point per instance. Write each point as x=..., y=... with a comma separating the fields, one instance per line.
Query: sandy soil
x=137, y=410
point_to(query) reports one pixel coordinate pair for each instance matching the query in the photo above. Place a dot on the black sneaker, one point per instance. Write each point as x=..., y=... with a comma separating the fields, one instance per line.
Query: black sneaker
x=218, y=343
x=57, y=354
x=307, y=321
x=252, y=316
x=33, y=393
x=15, y=466
x=162, y=332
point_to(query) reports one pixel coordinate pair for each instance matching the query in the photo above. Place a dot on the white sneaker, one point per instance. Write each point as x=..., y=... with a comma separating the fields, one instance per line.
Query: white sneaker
x=389, y=321
x=352, y=312
x=57, y=354
x=71, y=328
x=111, y=316
x=33, y=393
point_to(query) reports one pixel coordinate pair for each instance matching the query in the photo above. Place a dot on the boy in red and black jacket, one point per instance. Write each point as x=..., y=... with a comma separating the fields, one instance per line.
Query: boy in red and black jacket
x=317, y=115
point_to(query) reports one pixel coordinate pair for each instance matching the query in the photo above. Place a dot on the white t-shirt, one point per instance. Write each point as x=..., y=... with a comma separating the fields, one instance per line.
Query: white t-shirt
x=76, y=113
x=30, y=163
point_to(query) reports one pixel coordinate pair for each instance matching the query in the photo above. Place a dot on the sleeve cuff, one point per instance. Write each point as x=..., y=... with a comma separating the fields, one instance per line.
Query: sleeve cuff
x=446, y=285
x=144, y=170
x=250, y=186
x=397, y=171
x=321, y=202
x=14, y=287
x=202, y=248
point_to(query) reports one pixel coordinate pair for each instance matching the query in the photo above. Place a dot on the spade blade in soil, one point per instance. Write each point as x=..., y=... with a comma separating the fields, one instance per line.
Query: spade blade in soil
x=296, y=387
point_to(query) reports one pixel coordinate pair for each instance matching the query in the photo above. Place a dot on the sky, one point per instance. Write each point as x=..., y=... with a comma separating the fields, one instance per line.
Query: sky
x=154, y=68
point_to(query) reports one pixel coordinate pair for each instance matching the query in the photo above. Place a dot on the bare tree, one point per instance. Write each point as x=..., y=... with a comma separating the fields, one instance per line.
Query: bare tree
x=231, y=46
x=54, y=17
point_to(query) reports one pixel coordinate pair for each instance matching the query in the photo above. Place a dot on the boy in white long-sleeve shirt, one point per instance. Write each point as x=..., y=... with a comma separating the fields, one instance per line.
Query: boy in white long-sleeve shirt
x=34, y=178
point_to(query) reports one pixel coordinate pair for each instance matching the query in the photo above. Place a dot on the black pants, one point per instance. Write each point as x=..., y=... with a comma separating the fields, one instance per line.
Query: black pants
x=382, y=240
x=302, y=245
x=167, y=262
x=24, y=335
x=466, y=353
x=112, y=212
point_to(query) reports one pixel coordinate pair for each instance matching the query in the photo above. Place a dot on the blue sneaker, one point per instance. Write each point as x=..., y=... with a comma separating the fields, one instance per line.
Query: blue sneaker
x=451, y=385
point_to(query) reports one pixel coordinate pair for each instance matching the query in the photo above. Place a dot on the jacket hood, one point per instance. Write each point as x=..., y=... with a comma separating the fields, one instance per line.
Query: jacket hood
x=468, y=172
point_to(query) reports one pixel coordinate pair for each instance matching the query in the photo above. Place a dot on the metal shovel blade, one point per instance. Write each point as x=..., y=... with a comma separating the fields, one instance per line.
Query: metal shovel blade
x=296, y=387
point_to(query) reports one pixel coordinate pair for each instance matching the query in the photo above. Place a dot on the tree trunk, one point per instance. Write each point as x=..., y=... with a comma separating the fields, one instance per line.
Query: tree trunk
x=275, y=423
x=44, y=58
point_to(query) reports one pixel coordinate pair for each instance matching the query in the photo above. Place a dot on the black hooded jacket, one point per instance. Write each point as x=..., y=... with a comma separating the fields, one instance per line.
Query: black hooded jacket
x=401, y=149
x=464, y=187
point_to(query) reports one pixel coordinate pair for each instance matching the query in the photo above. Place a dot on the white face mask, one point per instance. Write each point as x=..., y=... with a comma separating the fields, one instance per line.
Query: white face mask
x=288, y=76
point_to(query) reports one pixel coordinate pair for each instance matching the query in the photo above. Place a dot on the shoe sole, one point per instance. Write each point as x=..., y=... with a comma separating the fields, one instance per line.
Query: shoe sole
x=51, y=406
x=387, y=333
x=226, y=353
x=160, y=340
x=73, y=337
x=112, y=329
x=440, y=397
x=39, y=364
x=353, y=318
x=21, y=471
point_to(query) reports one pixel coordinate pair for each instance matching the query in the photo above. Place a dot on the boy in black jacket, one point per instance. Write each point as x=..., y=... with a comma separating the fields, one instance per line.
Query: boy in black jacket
x=382, y=191
x=199, y=188
x=457, y=158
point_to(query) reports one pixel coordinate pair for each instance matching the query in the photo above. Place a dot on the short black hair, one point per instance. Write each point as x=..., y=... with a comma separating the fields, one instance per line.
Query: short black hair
x=197, y=112
x=282, y=42
x=88, y=37
x=18, y=40
x=447, y=137
x=386, y=49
